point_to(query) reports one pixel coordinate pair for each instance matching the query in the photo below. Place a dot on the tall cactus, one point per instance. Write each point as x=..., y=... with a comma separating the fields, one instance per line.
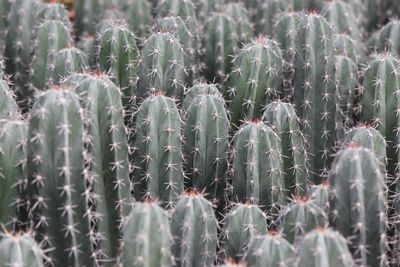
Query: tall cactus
x=206, y=147
x=313, y=90
x=194, y=230
x=56, y=187
x=282, y=118
x=258, y=167
x=67, y=61
x=358, y=208
x=157, y=156
x=107, y=161
x=256, y=79
x=147, y=237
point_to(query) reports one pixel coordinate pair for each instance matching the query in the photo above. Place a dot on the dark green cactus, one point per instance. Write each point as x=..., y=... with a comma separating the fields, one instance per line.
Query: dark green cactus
x=313, y=91
x=198, y=90
x=239, y=14
x=331, y=246
x=241, y=225
x=270, y=250
x=157, y=153
x=206, y=134
x=282, y=118
x=56, y=187
x=258, y=168
x=162, y=66
x=13, y=138
x=138, y=13
x=388, y=38
x=358, y=205
x=67, y=61
x=51, y=37
x=194, y=230
x=256, y=80
x=8, y=107
x=119, y=58
x=107, y=161
x=20, y=250
x=300, y=217
x=147, y=237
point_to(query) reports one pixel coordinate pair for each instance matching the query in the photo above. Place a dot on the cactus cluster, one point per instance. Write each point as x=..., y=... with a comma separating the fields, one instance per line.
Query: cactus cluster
x=177, y=133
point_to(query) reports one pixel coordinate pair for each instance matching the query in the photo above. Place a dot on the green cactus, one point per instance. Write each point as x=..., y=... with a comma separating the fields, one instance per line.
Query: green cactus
x=8, y=107
x=239, y=14
x=157, y=153
x=53, y=11
x=220, y=44
x=258, y=168
x=206, y=134
x=138, y=13
x=282, y=118
x=194, y=230
x=51, y=37
x=358, y=206
x=388, y=38
x=206, y=7
x=270, y=250
x=140, y=247
x=5, y=7
x=256, y=79
x=88, y=14
x=300, y=217
x=118, y=56
x=13, y=138
x=56, y=187
x=107, y=161
x=344, y=45
x=67, y=61
x=198, y=90
x=87, y=45
x=162, y=66
x=331, y=246
x=320, y=195
x=241, y=225
x=20, y=250
x=314, y=92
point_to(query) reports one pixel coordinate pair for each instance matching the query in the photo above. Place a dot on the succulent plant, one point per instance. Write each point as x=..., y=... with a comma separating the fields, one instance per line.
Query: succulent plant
x=138, y=13
x=88, y=14
x=239, y=14
x=320, y=195
x=388, y=38
x=206, y=7
x=198, y=90
x=263, y=14
x=67, y=61
x=8, y=107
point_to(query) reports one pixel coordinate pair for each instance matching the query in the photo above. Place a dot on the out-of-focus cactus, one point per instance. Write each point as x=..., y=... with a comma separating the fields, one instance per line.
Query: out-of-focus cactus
x=67, y=61
x=157, y=153
x=388, y=38
x=87, y=46
x=138, y=13
x=194, y=230
x=238, y=13
x=53, y=11
x=8, y=107
x=264, y=12
x=4, y=11
x=344, y=45
x=206, y=7
x=88, y=14
x=320, y=195
x=198, y=90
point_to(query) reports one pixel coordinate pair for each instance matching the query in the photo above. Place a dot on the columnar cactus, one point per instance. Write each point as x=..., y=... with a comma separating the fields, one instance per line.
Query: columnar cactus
x=57, y=192
x=8, y=107
x=157, y=153
x=87, y=45
x=198, y=90
x=344, y=45
x=194, y=230
x=282, y=118
x=4, y=11
x=138, y=13
x=206, y=7
x=320, y=195
x=206, y=134
x=147, y=237
x=238, y=13
x=51, y=37
x=256, y=80
x=53, y=11
x=258, y=168
x=331, y=247
x=67, y=61
x=313, y=91
x=221, y=42
x=270, y=250
x=107, y=161
x=264, y=12
x=162, y=66
x=389, y=38
x=241, y=225
x=300, y=217
x=13, y=138
x=182, y=8
x=20, y=250
x=88, y=14
x=358, y=208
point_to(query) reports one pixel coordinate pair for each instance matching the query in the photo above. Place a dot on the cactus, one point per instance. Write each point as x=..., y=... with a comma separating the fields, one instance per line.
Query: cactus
x=270, y=250
x=344, y=45
x=320, y=195
x=198, y=90
x=20, y=250
x=263, y=14
x=157, y=153
x=206, y=134
x=358, y=205
x=13, y=135
x=88, y=14
x=331, y=246
x=53, y=11
x=388, y=38
x=194, y=230
x=238, y=13
x=162, y=66
x=256, y=79
x=67, y=61
x=300, y=217
x=206, y=7
x=282, y=118
x=57, y=192
x=5, y=7
x=139, y=16
x=87, y=46
x=258, y=168
x=52, y=36
x=140, y=247
x=220, y=43
x=8, y=107
x=241, y=225
x=107, y=160
x=314, y=92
